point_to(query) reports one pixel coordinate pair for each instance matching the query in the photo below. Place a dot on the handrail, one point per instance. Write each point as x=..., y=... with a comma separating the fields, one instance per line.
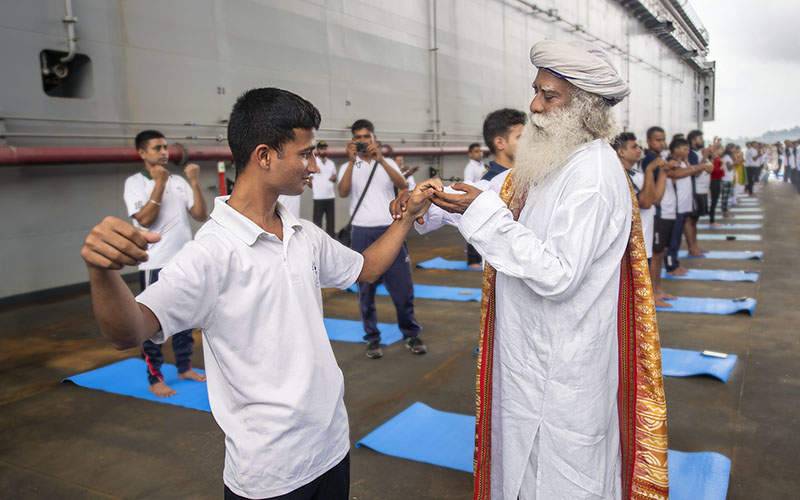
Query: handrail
x=178, y=154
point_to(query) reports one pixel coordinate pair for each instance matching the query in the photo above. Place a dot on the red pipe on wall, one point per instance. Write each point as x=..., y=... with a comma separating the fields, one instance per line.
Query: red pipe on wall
x=178, y=154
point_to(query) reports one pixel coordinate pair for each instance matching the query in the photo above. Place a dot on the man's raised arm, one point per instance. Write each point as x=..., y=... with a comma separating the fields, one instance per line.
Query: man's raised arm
x=111, y=245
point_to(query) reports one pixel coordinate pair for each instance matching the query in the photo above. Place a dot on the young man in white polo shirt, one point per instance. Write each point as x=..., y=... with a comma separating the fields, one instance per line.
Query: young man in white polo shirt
x=161, y=202
x=323, y=185
x=369, y=222
x=251, y=280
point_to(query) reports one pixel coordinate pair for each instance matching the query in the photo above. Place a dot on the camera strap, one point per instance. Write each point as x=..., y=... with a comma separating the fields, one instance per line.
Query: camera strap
x=364, y=192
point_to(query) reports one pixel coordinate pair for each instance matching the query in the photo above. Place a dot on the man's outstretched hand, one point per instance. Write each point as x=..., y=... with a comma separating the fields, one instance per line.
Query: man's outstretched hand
x=456, y=203
x=400, y=205
x=115, y=243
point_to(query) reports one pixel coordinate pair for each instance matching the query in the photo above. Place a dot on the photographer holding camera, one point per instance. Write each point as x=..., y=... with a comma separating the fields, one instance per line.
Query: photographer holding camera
x=370, y=180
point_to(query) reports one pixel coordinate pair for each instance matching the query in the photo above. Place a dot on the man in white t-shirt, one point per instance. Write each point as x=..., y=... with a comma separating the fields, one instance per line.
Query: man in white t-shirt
x=474, y=170
x=252, y=281
x=701, y=183
x=369, y=222
x=679, y=193
x=408, y=171
x=161, y=202
x=752, y=162
x=323, y=186
x=649, y=182
x=665, y=209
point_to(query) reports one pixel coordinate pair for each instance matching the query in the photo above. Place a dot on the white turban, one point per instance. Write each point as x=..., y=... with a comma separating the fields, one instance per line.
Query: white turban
x=584, y=65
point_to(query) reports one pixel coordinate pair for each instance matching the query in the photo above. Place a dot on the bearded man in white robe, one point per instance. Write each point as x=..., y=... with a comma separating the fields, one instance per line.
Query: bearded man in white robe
x=570, y=396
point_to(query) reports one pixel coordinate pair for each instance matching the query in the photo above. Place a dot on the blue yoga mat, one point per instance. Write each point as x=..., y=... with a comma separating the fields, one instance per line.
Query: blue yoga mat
x=346, y=330
x=683, y=363
x=423, y=434
x=705, y=305
x=729, y=237
x=726, y=254
x=129, y=378
x=722, y=227
x=713, y=275
x=435, y=292
x=446, y=264
x=748, y=217
x=700, y=475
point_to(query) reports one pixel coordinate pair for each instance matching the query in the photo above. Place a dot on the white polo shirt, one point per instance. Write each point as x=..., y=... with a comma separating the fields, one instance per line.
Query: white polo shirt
x=684, y=192
x=374, y=210
x=321, y=185
x=677, y=196
x=474, y=171
x=702, y=181
x=273, y=383
x=173, y=215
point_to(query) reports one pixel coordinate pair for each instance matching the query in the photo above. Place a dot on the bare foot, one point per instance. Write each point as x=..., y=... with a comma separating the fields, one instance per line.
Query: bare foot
x=681, y=271
x=664, y=296
x=192, y=375
x=695, y=253
x=162, y=390
x=661, y=303
x=475, y=266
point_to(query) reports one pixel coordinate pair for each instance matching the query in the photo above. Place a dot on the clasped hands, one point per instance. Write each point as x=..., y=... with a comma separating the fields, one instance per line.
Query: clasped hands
x=432, y=191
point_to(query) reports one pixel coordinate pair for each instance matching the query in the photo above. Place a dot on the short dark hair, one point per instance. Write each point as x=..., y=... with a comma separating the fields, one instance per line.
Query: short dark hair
x=362, y=123
x=473, y=146
x=654, y=130
x=677, y=142
x=267, y=116
x=621, y=139
x=143, y=137
x=498, y=124
x=693, y=134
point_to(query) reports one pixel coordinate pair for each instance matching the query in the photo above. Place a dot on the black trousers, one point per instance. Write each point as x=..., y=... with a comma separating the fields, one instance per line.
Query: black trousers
x=333, y=485
x=326, y=208
x=182, y=342
x=473, y=257
x=752, y=178
x=716, y=189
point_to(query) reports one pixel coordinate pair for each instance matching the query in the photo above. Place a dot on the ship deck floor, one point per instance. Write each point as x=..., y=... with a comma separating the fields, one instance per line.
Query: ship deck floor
x=62, y=441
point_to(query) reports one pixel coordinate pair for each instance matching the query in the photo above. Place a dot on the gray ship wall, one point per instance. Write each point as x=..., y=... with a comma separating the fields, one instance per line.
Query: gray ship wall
x=163, y=64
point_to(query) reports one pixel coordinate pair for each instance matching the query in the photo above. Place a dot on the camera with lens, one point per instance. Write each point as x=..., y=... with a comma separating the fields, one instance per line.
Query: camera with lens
x=361, y=147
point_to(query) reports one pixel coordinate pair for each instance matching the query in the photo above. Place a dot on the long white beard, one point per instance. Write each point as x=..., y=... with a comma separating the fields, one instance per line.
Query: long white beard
x=546, y=143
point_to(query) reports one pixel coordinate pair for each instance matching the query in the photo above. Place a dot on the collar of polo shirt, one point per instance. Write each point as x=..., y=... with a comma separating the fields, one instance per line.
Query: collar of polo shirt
x=245, y=229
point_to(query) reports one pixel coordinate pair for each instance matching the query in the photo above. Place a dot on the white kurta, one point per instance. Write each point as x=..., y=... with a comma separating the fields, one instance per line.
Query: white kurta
x=555, y=430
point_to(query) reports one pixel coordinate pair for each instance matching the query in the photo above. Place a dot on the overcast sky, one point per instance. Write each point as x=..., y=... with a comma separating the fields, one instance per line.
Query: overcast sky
x=756, y=44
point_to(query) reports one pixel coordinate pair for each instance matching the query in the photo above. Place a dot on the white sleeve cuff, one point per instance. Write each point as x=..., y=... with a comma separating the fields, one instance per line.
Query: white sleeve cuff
x=479, y=212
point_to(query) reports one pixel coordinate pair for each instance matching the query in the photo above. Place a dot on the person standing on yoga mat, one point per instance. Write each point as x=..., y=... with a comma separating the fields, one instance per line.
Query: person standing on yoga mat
x=251, y=281
x=570, y=397
x=701, y=184
x=161, y=202
x=370, y=180
x=649, y=183
x=665, y=213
